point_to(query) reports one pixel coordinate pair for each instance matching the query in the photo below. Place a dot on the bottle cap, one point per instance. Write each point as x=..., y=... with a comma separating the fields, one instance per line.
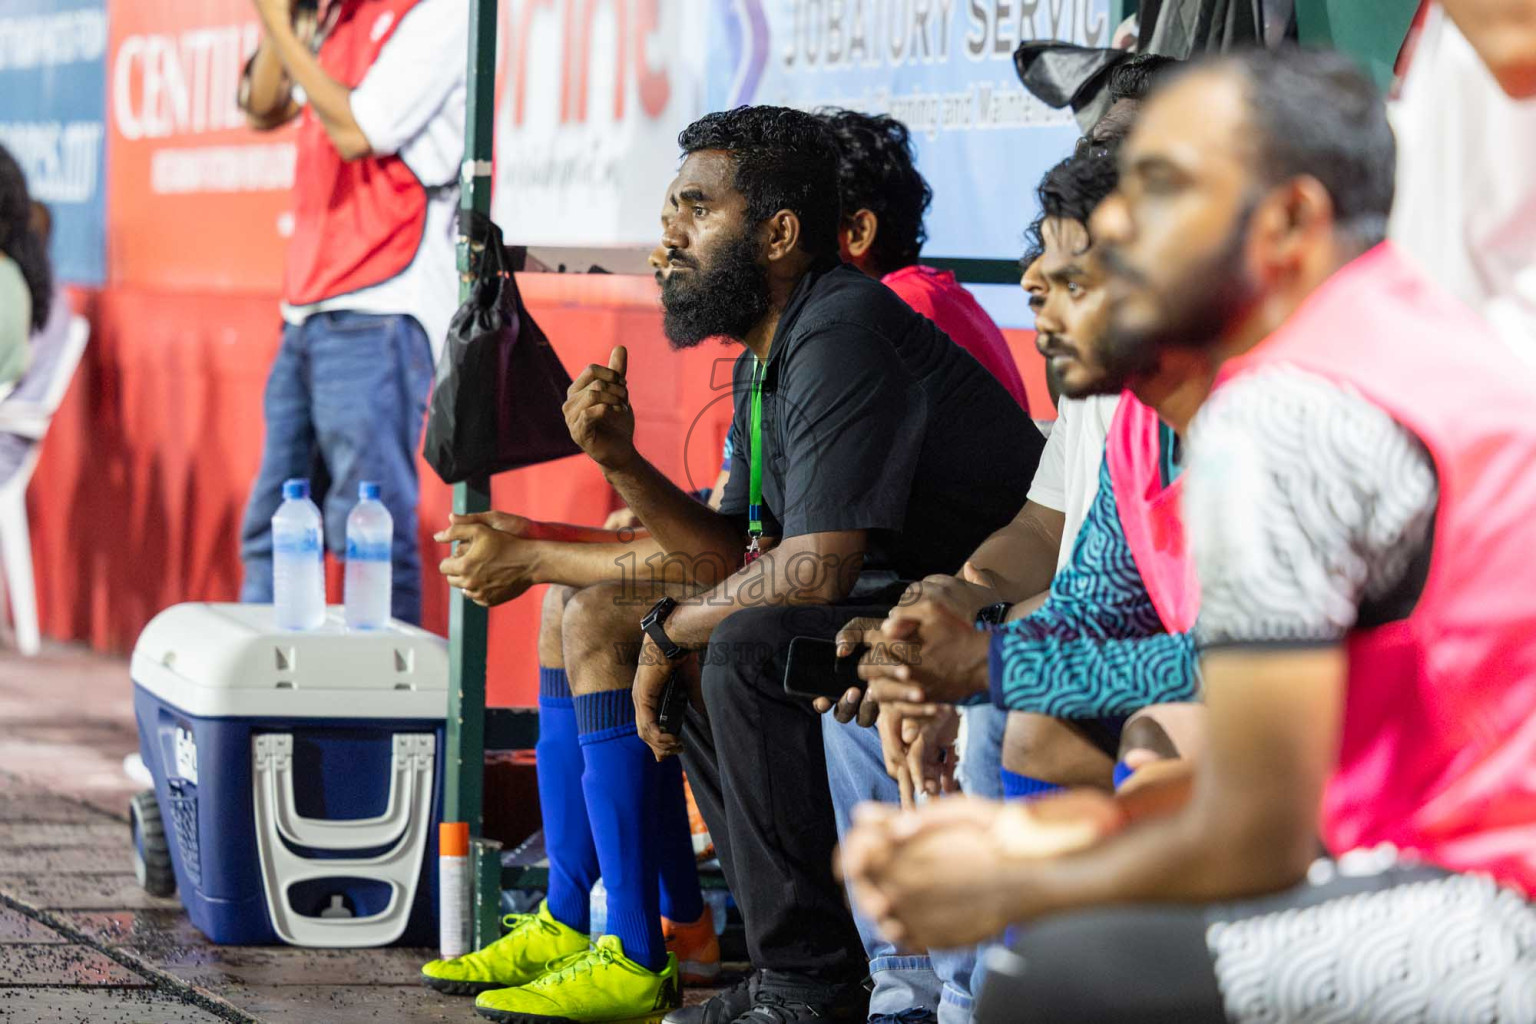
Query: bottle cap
x=368, y=491
x=296, y=488
x=453, y=839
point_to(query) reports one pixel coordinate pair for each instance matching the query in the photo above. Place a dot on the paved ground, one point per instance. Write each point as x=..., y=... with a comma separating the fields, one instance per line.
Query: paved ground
x=66, y=721
x=81, y=942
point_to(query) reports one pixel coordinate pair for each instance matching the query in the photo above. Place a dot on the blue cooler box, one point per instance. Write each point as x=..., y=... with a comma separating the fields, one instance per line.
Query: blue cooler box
x=298, y=774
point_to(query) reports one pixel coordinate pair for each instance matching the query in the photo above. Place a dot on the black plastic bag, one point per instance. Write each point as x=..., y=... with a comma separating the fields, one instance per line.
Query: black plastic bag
x=1063, y=74
x=496, y=402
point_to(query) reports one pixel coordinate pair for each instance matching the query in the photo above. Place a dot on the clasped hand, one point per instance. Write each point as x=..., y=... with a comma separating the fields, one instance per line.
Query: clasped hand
x=495, y=558
x=928, y=649
x=960, y=870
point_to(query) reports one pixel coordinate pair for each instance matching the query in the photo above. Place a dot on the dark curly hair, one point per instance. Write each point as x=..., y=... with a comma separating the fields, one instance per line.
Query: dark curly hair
x=1072, y=190
x=785, y=160
x=20, y=242
x=1136, y=77
x=875, y=172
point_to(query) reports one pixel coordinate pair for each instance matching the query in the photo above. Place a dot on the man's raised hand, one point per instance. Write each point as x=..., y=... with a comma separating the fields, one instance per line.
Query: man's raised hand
x=598, y=413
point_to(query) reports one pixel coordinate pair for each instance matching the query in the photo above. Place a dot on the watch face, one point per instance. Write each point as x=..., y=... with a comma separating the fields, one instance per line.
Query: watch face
x=993, y=614
x=660, y=610
x=653, y=626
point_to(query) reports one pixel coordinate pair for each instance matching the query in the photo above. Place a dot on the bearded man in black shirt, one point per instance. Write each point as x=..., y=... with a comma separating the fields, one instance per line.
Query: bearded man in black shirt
x=873, y=451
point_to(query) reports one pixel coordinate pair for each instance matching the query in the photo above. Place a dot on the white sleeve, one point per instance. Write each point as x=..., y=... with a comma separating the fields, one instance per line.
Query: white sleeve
x=1049, y=487
x=1304, y=502
x=415, y=75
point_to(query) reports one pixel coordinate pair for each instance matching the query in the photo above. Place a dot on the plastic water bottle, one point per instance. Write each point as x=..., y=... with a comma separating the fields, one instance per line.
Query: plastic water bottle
x=370, y=534
x=597, y=905
x=720, y=904
x=298, y=568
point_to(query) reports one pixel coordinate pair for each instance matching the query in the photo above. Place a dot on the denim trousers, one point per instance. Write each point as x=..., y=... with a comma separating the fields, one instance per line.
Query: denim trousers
x=941, y=980
x=344, y=403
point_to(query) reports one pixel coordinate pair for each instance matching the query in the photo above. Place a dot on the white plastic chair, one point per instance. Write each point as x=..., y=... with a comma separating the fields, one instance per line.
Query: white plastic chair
x=29, y=419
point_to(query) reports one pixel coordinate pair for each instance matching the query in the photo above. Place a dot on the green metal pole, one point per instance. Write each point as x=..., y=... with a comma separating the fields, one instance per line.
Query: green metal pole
x=1371, y=31
x=464, y=789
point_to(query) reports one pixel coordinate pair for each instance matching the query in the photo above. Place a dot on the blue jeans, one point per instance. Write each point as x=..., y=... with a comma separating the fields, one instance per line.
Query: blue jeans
x=981, y=760
x=981, y=774
x=344, y=403
x=942, y=980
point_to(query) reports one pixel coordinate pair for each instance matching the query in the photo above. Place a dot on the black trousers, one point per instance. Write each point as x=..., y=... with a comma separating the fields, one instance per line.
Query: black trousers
x=759, y=775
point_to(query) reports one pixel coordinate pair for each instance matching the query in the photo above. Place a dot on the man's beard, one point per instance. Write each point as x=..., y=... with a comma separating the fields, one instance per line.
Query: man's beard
x=1212, y=295
x=728, y=297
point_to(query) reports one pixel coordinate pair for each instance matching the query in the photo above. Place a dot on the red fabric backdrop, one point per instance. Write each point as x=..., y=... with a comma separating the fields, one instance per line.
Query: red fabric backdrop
x=137, y=501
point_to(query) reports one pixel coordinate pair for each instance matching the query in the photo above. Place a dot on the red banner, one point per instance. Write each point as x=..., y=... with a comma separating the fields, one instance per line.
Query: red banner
x=196, y=200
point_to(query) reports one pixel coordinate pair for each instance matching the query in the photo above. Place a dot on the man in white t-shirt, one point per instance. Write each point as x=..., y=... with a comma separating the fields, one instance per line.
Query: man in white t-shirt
x=1068, y=476
x=1067, y=481
x=378, y=88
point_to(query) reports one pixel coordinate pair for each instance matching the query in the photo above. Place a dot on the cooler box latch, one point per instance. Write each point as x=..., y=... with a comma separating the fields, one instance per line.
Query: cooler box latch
x=403, y=828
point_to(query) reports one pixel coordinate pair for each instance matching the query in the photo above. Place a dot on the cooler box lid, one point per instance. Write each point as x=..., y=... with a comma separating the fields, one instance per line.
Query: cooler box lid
x=231, y=660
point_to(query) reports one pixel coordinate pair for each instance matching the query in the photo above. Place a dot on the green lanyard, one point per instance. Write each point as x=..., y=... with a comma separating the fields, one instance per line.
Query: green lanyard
x=755, y=485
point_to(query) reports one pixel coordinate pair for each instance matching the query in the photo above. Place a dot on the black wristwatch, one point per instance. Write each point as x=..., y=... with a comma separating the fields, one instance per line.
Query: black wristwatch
x=993, y=614
x=654, y=626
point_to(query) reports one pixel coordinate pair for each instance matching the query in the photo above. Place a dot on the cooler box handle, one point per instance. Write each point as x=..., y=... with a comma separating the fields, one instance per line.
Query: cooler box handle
x=406, y=818
x=274, y=766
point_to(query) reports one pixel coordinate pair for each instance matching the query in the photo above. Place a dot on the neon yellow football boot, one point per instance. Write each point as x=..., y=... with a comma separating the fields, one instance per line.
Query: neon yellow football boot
x=516, y=958
x=599, y=986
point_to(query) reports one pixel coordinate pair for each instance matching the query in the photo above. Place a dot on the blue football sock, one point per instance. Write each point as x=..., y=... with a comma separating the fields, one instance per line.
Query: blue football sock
x=622, y=783
x=567, y=834
x=1024, y=787
x=681, y=900
x=1123, y=771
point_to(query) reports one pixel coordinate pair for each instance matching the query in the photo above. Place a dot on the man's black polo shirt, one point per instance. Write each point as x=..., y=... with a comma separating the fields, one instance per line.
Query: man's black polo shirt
x=873, y=419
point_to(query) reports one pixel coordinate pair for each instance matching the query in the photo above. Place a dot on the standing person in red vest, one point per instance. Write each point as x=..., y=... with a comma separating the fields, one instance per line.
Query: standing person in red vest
x=378, y=89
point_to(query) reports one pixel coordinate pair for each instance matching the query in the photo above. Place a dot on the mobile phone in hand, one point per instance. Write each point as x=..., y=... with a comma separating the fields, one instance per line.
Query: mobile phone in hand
x=813, y=670
x=674, y=704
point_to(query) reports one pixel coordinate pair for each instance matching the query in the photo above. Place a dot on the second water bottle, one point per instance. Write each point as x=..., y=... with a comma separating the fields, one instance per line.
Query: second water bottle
x=370, y=534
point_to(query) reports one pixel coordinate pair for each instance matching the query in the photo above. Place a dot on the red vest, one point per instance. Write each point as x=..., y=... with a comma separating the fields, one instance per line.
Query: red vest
x=355, y=224
x=1439, y=741
x=939, y=297
x=1149, y=513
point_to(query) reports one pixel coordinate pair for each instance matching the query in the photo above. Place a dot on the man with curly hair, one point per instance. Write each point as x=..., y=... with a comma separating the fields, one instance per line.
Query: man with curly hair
x=885, y=201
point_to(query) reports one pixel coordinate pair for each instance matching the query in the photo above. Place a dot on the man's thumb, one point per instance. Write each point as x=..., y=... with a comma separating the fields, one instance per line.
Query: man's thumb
x=971, y=574
x=618, y=360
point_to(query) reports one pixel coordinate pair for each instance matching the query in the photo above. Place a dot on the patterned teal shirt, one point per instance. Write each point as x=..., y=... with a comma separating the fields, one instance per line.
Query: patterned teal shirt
x=1096, y=648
